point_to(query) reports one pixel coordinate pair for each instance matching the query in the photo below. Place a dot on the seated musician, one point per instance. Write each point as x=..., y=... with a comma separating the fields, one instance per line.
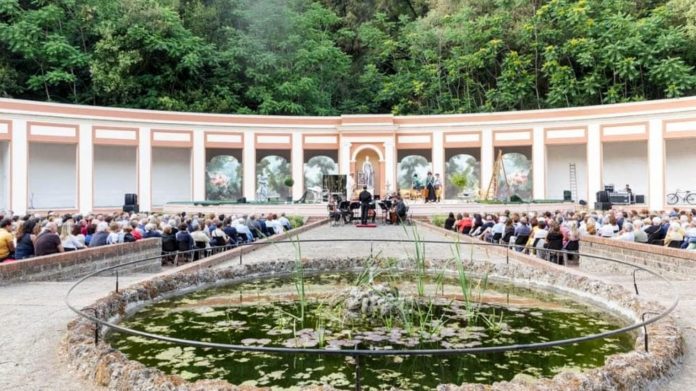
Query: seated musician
x=334, y=213
x=401, y=209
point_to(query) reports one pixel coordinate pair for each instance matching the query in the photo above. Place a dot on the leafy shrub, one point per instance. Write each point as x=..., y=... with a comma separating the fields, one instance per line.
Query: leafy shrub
x=295, y=221
x=438, y=220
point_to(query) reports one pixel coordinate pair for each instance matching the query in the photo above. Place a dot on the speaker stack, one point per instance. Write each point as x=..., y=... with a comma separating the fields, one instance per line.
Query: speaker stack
x=130, y=204
x=567, y=196
x=602, y=201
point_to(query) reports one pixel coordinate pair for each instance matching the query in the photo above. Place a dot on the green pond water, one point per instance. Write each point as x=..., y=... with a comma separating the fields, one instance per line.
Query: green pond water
x=265, y=313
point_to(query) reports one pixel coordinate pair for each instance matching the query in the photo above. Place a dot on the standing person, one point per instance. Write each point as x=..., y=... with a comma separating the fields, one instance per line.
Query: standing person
x=430, y=186
x=365, y=199
x=437, y=184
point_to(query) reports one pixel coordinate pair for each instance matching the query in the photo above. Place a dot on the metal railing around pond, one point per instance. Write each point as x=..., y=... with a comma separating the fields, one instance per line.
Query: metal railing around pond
x=357, y=353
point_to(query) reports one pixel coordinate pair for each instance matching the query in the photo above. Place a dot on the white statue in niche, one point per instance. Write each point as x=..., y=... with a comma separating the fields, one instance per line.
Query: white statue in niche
x=262, y=188
x=368, y=173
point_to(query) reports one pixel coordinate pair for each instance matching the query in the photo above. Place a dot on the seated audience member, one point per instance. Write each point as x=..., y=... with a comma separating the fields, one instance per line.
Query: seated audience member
x=26, y=235
x=48, y=242
x=184, y=240
x=626, y=234
x=151, y=231
x=7, y=245
x=275, y=224
x=674, y=236
x=77, y=234
x=689, y=234
x=168, y=240
x=100, y=235
x=200, y=237
x=128, y=234
x=476, y=222
x=68, y=238
x=218, y=236
x=466, y=223
x=137, y=233
x=449, y=222
x=244, y=229
x=498, y=228
x=90, y=229
x=114, y=234
x=508, y=231
x=523, y=228
x=554, y=239
x=654, y=231
x=609, y=228
x=540, y=238
x=285, y=222
x=638, y=234
x=485, y=227
x=230, y=231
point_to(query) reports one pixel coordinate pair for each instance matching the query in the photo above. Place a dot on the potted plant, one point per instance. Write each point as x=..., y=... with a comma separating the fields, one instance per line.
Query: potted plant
x=460, y=181
x=289, y=182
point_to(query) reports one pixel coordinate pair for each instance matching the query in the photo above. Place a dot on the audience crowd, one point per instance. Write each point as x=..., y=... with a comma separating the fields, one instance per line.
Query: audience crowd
x=36, y=235
x=532, y=232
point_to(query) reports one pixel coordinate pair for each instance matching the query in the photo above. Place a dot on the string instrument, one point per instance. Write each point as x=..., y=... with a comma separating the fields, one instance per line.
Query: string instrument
x=393, y=217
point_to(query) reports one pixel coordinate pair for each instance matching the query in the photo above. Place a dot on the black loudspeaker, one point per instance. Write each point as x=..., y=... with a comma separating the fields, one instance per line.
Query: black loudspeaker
x=131, y=199
x=582, y=203
x=241, y=200
x=602, y=206
x=602, y=196
x=640, y=198
x=567, y=195
x=131, y=208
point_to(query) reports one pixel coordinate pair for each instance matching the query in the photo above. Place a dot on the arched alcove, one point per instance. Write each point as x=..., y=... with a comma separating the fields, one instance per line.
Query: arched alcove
x=462, y=164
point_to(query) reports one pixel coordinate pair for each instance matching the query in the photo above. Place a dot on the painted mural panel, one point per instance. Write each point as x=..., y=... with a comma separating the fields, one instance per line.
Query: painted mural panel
x=518, y=170
x=223, y=178
x=316, y=168
x=465, y=165
x=275, y=169
x=410, y=165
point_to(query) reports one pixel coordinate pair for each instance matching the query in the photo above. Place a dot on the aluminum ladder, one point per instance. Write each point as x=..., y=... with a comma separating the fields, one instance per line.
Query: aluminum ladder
x=573, y=182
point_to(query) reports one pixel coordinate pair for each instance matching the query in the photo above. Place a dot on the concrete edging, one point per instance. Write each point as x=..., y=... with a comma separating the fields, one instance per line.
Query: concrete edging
x=633, y=370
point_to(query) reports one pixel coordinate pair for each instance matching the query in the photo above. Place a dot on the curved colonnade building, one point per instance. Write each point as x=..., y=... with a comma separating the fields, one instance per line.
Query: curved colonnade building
x=83, y=158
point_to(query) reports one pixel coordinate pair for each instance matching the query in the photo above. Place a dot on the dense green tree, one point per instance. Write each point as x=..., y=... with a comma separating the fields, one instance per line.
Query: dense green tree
x=325, y=57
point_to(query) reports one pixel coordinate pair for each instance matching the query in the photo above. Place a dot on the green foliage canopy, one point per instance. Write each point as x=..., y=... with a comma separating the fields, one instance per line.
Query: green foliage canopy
x=327, y=57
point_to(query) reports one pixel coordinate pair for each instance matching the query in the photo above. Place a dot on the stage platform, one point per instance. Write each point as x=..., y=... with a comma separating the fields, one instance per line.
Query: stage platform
x=417, y=209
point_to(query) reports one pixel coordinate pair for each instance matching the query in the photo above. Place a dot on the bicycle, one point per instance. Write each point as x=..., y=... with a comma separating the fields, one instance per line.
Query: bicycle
x=684, y=196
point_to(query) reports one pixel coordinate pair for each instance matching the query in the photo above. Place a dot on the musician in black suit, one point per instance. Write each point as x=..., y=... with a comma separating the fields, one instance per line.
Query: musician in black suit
x=365, y=199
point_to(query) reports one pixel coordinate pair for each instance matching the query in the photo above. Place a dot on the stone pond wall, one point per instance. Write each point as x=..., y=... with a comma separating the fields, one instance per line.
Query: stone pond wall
x=75, y=264
x=634, y=370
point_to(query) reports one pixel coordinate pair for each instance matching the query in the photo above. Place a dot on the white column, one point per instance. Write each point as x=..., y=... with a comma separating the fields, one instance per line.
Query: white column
x=20, y=168
x=487, y=158
x=145, y=170
x=656, y=165
x=297, y=161
x=344, y=158
x=249, y=166
x=86, y=169
x=390, y=166
x=439, y=157
x=594, y=162
x=198, y=165
x=539, y=163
